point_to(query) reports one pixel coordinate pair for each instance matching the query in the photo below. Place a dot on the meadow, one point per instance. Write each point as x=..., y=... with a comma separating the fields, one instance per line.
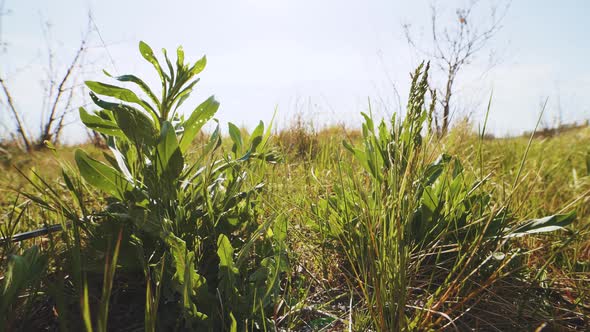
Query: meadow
x=386, y=227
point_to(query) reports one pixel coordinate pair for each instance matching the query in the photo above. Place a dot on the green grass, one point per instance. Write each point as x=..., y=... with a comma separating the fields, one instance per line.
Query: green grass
x=394, y=229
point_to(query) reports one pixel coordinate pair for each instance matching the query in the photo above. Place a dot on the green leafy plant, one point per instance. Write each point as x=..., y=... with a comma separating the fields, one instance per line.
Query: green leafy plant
x=188, y=219
x=411, y=219
x=179, y=228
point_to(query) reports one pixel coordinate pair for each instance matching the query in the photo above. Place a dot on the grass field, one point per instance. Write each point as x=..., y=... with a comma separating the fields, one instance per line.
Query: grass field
x=383, y=228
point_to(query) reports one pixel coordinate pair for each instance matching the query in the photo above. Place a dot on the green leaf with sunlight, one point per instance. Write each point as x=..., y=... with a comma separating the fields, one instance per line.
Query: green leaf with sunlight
x=236, y=137
x=169, y=156
x=203, y=113
x=148, y=54
x=96, y=123
x=119, y=93
x=139, y=82
x=198, y=66
x=101, y=176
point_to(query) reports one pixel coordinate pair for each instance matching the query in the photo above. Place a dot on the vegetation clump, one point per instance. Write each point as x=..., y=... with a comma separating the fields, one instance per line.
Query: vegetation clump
x=395, y=229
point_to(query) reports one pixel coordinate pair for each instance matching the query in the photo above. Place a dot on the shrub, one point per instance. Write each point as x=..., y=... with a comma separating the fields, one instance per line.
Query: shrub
x=299, y=139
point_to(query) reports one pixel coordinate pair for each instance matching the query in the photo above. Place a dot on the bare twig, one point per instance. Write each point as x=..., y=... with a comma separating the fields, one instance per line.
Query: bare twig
x=58, y=98
x=452, y=49
x=49, y=133
x=20, y=128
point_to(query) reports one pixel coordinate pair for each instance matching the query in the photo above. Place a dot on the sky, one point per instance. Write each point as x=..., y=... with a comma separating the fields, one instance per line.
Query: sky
x=328, y=60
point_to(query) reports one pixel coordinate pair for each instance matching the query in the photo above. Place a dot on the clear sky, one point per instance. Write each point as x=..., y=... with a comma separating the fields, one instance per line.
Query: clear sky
x=324, y=58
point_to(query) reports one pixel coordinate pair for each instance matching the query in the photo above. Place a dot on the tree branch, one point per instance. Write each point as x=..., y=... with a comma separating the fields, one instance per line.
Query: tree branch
x=19, y=123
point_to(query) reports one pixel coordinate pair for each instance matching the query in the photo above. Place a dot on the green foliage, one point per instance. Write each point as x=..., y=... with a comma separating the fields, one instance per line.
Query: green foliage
x=24, y=272
x=392, y=230
x=195, y=221
x=409, y=213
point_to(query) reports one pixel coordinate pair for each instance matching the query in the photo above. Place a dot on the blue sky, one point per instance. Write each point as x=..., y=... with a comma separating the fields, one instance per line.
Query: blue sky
x=323, y=58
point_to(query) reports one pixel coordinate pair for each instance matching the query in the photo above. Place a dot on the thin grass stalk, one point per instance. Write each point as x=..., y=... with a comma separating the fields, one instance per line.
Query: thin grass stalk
x=108, y=279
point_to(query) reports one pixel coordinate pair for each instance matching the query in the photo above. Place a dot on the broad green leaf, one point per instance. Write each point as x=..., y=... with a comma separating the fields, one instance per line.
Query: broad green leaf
x=361, y=156
x=383, y=133
x=104, y=104
x=183, y=260
x=113, y=91
x=101, y=176
x=169, y=156
x=119, y=93
x=225, y=251
x=110, y=159
x=236, y=137
x=137, y=126
x=368, y=122
x=256, y=137
x=179, y=58
x=430, y=200
x=148, y=54
x=542, y=225
x=188, y=282
x=140, y=83
x=198, y=67
x=228, y=273
x=434, y=170
x=197, y=120
x=99, y=124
